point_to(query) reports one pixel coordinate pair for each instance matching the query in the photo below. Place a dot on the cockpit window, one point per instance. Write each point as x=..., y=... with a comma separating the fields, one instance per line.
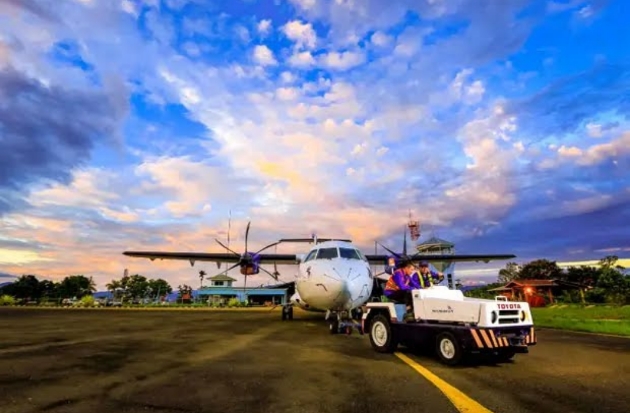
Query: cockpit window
x=327, y=253
x=363, y=257
x=349, y=253
x=310, y=255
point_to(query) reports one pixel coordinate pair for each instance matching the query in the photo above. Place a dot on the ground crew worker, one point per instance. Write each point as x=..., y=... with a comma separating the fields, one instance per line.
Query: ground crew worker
x=427, y=278
x=402, y=281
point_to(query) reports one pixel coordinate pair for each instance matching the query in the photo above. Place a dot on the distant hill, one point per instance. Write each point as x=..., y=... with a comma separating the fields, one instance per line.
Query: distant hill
x=5, y=275
x=466, y=288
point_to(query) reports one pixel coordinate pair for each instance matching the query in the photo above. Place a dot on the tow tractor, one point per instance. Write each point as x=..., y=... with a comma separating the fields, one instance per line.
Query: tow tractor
x=454, y=325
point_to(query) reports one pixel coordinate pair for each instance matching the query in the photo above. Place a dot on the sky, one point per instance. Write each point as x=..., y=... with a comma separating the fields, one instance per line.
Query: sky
x=144, y=124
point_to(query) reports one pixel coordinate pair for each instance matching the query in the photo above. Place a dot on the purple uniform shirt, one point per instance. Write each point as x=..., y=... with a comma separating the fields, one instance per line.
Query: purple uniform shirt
x=401, y=282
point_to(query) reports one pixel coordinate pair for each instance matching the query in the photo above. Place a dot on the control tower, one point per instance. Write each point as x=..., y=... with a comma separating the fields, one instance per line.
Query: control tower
x=434, y=246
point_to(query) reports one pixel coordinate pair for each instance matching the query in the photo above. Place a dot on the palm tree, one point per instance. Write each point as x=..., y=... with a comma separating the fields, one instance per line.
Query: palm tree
x=114, y=286
x=202, y=274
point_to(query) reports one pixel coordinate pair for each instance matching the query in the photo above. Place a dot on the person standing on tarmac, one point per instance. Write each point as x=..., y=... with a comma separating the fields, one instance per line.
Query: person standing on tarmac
x=427, y=278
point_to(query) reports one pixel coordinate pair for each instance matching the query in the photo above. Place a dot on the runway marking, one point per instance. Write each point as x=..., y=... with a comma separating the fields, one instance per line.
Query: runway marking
x=461, y=402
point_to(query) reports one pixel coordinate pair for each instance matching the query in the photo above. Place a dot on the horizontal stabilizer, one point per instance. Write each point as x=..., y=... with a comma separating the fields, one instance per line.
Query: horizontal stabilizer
x=310, y=240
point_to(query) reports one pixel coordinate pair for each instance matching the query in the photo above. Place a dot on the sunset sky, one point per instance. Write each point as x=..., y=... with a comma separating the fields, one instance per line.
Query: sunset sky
x=502, y=125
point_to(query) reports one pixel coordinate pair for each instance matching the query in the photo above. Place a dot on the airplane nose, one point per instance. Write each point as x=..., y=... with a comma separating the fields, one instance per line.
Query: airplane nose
x=335, y=287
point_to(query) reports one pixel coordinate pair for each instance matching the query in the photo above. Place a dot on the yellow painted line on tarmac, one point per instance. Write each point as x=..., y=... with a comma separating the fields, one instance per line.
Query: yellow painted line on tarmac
x=461, y=402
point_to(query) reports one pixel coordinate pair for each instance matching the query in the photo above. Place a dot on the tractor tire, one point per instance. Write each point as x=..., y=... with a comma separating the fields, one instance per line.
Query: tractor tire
x=381, y=335
x=448, y=349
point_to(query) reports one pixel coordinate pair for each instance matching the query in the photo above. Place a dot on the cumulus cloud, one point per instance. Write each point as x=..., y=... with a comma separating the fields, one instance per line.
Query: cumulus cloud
x=350, y=114
x=264, y=56
x=41, y=145
x=301, y=33
x=264, y=26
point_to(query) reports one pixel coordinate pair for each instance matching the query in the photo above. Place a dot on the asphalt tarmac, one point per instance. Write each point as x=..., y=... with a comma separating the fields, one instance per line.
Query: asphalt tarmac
x=193, y=361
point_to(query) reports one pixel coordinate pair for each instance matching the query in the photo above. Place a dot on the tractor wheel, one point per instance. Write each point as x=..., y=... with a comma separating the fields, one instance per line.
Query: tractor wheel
x=448, y=349
x=381, y=335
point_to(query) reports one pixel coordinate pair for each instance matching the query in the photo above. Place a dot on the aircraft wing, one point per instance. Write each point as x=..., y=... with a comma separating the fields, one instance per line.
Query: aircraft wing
x=211, y=256
x=381, y=259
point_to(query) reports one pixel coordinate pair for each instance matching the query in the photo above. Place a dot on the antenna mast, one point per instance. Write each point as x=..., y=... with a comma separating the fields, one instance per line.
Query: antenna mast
x=229, y=226
x=414, y=228
x=228, y=234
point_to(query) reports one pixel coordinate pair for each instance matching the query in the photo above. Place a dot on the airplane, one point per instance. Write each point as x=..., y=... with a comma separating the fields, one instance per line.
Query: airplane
x=334, y=276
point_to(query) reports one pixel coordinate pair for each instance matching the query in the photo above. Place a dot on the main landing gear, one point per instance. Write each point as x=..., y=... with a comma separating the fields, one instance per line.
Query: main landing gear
x=344, y=321
x=287, y=312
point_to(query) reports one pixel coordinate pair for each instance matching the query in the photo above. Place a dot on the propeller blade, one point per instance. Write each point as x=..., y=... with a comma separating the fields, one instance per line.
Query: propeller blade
x=224, y=246
x=268, y=246
x=232, y=267
x=388, y=250
x=247, y=235
x=275, y=277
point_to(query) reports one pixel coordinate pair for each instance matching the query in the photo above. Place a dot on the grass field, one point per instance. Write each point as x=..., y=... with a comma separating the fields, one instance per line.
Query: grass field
x=593, y=319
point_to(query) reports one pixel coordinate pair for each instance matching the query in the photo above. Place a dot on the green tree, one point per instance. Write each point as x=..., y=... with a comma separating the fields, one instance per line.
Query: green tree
x=159, y=287
x=76, y=286
x=482, y=292
x=202, y=274
x=540, y=270
x=612, y=283
x=510, y=273
x=25, y=287
x=116, y=288
x=584, y=275
x=610, y=261
x=136, y=286
x=48, y=289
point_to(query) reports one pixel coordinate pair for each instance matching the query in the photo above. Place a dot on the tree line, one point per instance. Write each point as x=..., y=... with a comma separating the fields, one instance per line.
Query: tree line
x=606, y=283
x=30, y=288
x=137, y=287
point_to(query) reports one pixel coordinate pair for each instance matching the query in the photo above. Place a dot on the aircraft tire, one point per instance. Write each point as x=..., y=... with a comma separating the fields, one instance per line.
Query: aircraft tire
x=334, y=326
x=287, y=313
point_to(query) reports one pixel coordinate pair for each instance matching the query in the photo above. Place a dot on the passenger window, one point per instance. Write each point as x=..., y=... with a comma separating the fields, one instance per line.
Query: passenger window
x=310, y=255
x=327, y=253
x=349, y=253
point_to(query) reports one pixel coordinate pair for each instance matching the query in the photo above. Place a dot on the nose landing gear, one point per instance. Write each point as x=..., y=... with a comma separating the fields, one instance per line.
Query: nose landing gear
x=344, y=323
x=287, y=312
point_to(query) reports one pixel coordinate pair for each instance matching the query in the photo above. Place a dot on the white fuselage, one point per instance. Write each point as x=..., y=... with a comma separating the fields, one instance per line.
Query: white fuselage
x=333, y=276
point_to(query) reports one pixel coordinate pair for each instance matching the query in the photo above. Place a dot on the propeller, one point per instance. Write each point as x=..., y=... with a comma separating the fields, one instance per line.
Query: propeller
x=248, y=258
x=399, y=256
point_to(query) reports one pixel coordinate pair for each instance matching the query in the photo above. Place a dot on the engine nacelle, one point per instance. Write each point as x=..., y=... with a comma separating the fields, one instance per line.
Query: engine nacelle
x=250, y=269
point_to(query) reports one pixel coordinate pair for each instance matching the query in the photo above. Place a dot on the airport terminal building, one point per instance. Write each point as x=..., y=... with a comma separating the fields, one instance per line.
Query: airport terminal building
x=220, y=291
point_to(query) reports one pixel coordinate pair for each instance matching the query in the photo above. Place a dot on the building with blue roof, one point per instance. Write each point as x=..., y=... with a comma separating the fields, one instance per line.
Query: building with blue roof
x=221, y=290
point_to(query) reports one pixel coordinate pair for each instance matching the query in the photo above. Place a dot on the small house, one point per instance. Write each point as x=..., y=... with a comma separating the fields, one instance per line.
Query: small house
x=537, y=293
x=221, y=280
